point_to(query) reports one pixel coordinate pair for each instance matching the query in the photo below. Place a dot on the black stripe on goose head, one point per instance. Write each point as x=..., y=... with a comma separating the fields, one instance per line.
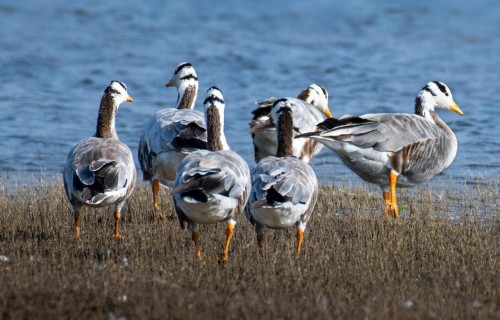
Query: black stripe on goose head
x=442, y=87
x=284, y=100
x=182, y=66
x=324, y=90
x=428, y=89
x=111, y=89
x=212, y=97
x=189, y=76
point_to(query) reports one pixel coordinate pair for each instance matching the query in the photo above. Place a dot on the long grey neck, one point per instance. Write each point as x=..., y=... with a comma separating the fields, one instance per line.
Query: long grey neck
x=424, y=106
x=215, y=134
x=451, y=136
x=440, y=123
x=187, y=97
x=106, y=119
x=285, y=134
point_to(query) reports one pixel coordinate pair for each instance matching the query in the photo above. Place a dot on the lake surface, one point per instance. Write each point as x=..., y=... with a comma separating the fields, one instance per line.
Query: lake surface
x=58, y=56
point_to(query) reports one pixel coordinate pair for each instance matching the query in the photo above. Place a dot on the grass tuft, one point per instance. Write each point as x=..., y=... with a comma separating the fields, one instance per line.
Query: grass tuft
x=440, y=260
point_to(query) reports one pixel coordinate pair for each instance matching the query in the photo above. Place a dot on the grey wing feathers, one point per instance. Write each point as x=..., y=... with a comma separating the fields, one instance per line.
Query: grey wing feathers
x=98, y=165
x=305, y=116
x=145, y=156
x=384, y=132
x=314, y=198
x=221, y=172
x=208, y=180
x=174, y=123
x=171, y=129
x=400, y=130
x=191, y=135
x=290, y=177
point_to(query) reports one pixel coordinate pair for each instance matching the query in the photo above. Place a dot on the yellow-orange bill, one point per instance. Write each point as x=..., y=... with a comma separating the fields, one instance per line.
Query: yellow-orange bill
x=454, y=107
x=328, y=114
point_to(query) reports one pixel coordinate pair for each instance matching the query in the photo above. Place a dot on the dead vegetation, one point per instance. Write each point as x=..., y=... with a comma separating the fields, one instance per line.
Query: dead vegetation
x=440, y=260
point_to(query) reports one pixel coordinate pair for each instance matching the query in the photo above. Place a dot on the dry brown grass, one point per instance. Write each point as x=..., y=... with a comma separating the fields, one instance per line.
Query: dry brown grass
x=441, y=260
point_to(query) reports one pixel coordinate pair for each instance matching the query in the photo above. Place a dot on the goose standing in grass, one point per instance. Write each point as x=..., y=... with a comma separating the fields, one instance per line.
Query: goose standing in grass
x=309, y=107
x=395, y=148
x=284, y=188
x=100, y=170
x=212, y=185
x=172, y=134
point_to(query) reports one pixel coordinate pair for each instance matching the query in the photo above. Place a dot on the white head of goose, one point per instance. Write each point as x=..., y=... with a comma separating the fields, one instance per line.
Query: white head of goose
x=284, y=188
x=100, y=170
x=172, y=134
x=212, y=185
x=390, y=148
x=186, y=82
x=310, y=107
x=317, y=96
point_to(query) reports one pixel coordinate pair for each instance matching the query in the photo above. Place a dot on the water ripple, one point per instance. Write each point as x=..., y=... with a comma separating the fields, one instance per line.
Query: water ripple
x=372, y=57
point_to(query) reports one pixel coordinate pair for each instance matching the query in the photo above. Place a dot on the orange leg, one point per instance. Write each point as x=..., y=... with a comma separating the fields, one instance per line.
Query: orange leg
x=78, y=220
x=300, y=237
x=391, y=204
x=387, y=200
x=155, y=186
x=393, y=178
x=196, y=239
x=229, y=235
x=116, y=233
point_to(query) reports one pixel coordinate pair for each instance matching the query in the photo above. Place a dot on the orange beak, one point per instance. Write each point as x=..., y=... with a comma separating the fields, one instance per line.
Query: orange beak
x=454, y=107
x=328, y=114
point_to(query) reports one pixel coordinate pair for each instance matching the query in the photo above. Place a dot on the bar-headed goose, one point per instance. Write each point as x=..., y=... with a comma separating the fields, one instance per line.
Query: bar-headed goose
x=309, y=107
x=212, y=185
x=172, y=134
x=100, y=170
x=395, y=148
x=284, y=188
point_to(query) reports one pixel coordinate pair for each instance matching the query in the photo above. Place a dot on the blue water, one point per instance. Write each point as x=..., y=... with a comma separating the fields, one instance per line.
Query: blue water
x=57, y=57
